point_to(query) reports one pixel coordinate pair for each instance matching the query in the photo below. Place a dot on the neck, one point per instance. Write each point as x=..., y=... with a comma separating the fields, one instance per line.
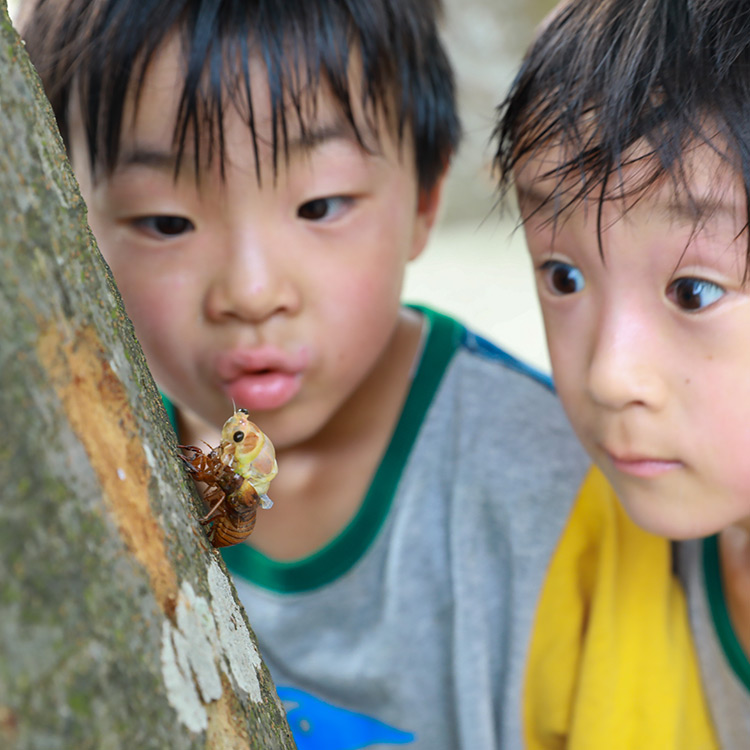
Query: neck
x=323, y=480
x=192, y=430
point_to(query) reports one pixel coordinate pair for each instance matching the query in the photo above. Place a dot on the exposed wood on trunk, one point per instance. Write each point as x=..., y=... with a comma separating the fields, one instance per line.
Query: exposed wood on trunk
x=118, y=625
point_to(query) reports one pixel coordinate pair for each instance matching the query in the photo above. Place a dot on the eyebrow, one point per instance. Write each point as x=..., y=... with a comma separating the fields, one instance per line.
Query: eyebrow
x=549, y=204
x=531, y=195
x=166, y=160
x=144, y=156
x=692, y=208
x=683, y=208
x=319, y=134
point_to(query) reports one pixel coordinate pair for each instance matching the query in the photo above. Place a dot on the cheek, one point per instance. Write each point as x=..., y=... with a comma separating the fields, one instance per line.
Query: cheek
x=361, y=289
x=733, y=471
x=360, y=316
x=716, y=397
x=141, y=296
x=568, y=360
x=724, y=429
x=575, y=407
x=160, y=310
x=567, y=357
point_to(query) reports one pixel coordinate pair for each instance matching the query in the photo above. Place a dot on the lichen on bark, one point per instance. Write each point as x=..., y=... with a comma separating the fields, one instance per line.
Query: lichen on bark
x=104, y=569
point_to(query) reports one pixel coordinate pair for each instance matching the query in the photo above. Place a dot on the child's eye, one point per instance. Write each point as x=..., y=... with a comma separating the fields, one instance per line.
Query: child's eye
x=164, y=226
x=694, y=294
x=562, y=278
x=323, y=208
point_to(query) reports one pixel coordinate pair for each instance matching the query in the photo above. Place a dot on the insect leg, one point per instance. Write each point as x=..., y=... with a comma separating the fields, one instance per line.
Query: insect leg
x=216, y=509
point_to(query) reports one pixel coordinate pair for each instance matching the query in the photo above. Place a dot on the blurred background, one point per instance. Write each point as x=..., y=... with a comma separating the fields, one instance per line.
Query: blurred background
x=475, y=266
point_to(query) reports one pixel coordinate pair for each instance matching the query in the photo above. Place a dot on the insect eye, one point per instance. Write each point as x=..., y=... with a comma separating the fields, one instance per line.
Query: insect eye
x=238, y=436
x=244, y=411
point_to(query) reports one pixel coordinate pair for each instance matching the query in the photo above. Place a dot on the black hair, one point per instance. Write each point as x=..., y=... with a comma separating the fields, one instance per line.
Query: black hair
x=604, y=75
x=100, y=49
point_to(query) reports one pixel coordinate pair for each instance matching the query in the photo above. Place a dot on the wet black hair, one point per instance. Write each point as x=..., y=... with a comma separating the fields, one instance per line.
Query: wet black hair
x=100, y=49
x=604, y=75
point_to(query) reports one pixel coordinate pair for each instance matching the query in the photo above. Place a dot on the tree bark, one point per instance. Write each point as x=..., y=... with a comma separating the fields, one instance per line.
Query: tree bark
x=118, y=625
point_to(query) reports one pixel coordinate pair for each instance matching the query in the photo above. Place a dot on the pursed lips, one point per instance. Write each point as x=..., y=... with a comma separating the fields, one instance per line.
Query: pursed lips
x=641, y=465
x=260, y=379
x=233, y=364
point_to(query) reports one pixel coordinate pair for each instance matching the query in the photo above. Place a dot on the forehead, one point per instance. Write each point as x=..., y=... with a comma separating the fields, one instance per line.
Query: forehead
x=700, y=186
x=298, y=112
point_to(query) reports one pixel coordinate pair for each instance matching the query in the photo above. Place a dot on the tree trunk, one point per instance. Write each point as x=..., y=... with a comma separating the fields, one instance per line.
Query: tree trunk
x=118, y=625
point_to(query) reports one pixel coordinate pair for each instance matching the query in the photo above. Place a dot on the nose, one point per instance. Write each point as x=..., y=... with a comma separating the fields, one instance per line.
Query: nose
x=625, y=365
x=251, y=280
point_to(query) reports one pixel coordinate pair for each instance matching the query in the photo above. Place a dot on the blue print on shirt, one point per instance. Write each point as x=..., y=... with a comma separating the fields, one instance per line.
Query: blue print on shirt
x=317, y=725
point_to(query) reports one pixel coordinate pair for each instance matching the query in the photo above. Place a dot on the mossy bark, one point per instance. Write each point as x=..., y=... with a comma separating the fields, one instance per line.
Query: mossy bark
x=118, y=625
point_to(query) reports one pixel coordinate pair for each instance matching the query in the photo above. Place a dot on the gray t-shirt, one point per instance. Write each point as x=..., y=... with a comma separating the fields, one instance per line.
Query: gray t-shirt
x=725, y=670
x=412, y=626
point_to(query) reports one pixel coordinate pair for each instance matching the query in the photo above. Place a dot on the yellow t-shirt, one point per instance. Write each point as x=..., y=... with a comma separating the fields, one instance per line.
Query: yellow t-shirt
x=612, y=664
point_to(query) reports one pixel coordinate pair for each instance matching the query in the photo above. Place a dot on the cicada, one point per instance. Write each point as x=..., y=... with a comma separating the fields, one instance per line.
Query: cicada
x=238, y=472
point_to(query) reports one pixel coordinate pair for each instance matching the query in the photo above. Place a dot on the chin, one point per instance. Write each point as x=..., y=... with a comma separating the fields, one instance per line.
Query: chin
x=673, y=521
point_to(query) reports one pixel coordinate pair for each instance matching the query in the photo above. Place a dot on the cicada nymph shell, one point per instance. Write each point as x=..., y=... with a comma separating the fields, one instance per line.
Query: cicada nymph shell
x=246, y=449
x=238, y=473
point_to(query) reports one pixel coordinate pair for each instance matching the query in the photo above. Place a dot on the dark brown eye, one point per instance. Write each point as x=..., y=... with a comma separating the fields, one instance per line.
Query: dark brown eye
x=691, y=294
x=562, y=278
x=164, y=226
x=313, y=210
x=244, y=411
x=322, y=209
x=238, y=436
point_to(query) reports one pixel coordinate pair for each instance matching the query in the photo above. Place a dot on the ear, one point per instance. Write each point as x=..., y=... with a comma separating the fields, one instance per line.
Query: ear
x=428, y=203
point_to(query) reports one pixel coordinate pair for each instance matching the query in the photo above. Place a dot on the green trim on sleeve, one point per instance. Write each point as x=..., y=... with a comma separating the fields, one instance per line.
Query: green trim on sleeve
x=717, y=602
x=171, y=412
x=343, y=552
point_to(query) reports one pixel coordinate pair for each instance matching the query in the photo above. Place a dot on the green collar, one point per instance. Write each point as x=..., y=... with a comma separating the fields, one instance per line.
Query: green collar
x=717, y=602
x=171, y=413
x=343, y=552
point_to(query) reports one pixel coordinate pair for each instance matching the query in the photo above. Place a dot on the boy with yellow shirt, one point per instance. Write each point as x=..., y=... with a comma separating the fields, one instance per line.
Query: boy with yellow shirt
x=627, y=138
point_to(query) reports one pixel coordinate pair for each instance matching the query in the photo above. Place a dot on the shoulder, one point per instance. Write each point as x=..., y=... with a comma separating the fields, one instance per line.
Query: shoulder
x=491, y=381
x=485, y=350
x=511, y=411
x=495, y=433
x=474, y=380
x=724, y=665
